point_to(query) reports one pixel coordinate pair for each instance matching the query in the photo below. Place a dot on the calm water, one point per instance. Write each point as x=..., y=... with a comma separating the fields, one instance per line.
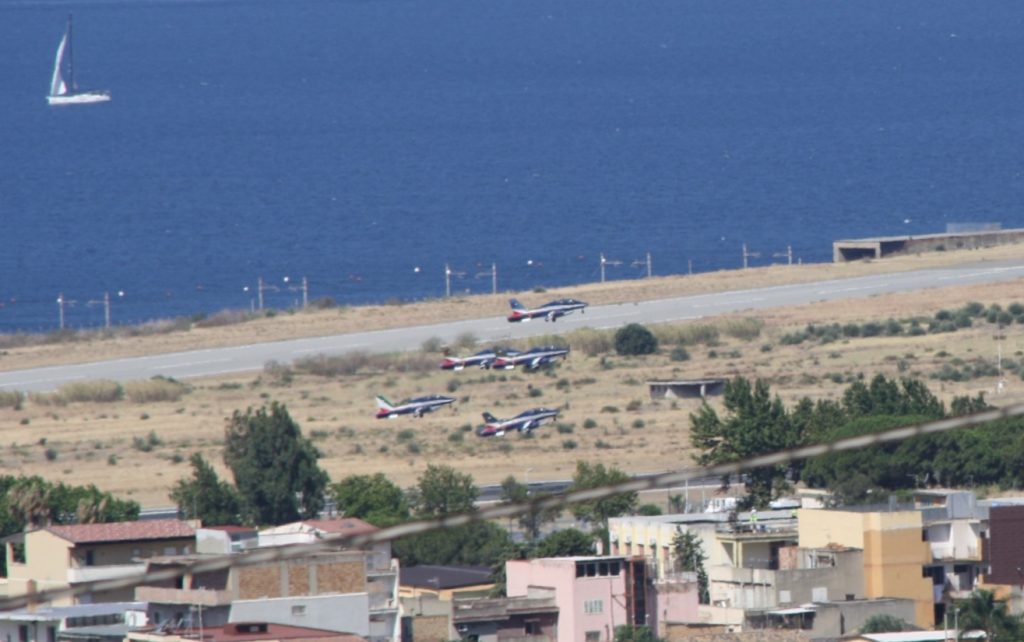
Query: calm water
x=354, y=141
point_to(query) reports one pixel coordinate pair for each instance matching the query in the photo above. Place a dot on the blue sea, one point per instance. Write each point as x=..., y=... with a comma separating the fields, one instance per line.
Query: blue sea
x=367, y=144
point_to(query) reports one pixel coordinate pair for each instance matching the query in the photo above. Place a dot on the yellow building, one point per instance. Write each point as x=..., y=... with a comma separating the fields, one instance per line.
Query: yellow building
x=894, y=551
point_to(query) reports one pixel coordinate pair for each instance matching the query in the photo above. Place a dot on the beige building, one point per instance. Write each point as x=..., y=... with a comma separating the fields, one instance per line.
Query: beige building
x=894, y=551
x=58, y=557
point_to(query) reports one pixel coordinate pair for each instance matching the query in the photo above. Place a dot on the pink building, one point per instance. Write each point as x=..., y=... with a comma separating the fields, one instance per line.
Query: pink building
x=594, y=595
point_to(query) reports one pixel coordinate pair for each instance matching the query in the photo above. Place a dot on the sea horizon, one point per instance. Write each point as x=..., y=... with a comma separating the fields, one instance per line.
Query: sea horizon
x=372, y=145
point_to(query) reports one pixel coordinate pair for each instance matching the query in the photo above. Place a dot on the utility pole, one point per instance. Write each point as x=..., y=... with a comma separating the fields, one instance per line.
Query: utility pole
x=447, y=280
x=60, y=307
x=648, y=265
x=603, y=261
x=494, y=278
x=259, y=292
x=747, y=255
x=788, y=254
x=106, y=309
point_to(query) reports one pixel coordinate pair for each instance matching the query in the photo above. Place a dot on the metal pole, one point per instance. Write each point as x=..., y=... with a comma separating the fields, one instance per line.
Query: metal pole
x=602, y=267
x=744, y=256
x=259, y=292
x=106, y=308
x=494, y=278
x=305, y=293
x=60, y=306
x=789, y=252
x=648, y=265
x=447, y=280
x=689, y=262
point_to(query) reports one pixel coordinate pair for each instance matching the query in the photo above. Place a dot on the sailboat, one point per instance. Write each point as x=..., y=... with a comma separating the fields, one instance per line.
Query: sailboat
x=64, y=91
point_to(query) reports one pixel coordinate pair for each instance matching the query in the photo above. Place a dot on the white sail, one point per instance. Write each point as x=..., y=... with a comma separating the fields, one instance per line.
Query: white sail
x=57, y=86
x=64, y=92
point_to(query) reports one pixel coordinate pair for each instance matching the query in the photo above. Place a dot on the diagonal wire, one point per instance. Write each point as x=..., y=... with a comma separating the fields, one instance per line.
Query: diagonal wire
x=507, y=510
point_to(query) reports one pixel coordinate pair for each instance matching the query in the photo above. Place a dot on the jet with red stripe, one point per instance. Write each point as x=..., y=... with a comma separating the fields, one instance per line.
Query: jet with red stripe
x=550, y=310
x=531, y=359
x=524, y=422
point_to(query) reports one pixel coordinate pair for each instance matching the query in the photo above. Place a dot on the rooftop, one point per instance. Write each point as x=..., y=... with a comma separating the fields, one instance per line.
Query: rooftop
x=445, y=577
x=155, y=529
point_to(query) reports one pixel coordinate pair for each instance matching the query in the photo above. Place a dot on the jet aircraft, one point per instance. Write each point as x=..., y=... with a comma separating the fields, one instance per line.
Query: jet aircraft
x=531, y=359
x=484, y=359
x=550, y=311
x=416, y=407
x=524, y=422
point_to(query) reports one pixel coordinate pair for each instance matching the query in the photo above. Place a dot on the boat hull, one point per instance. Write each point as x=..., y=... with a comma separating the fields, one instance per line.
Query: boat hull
x=79, y=98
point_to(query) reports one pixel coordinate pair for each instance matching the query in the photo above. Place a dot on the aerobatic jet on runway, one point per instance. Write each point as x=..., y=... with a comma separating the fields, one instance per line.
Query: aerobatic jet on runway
x=484, y=359
x=524, y=422
x=416, y=407
x=550, y=311
x=531, y=359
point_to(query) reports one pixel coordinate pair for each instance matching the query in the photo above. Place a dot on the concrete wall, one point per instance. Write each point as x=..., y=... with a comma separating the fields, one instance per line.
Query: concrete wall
x=820, y=584
x=821, y=528
x=303, y=577
x=344, y=613
x=843, y=618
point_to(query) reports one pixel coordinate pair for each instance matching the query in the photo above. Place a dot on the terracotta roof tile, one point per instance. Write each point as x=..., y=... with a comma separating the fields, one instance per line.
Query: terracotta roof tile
x=123, y=531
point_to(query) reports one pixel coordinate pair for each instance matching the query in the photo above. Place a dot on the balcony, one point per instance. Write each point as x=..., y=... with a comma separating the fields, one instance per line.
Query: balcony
x=107, y=572
x=377, y=564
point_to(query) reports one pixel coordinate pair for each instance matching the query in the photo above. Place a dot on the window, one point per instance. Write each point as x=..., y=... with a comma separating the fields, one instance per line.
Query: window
x=51, y=634
x=23, y=633
x=613, y=568
x=593, y=636
x=298, y=609
x=90, y=558
x=593, y=606
x=18, y=551
x=532, y=628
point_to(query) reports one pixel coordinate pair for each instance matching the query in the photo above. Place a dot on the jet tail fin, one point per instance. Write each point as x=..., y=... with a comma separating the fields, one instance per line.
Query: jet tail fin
x=516, y=305
x=489, y=418
x=384, y=404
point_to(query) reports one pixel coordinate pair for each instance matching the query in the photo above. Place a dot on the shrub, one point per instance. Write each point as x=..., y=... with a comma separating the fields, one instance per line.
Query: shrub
x=456, y=437
x=590, y=342
x=565, y=429
x=635, y=339
x=432, y=344
x=153, y=390
x=51, y=454
x=465, y=341
x=638, y=423
x=634, y=405
x=610, y=409
x=98, y=391
x=569, y=444
x=589, y=423
x=11, y=399
x=794, y=338
x=679, y=353
x=535, y=392
x=746, y=329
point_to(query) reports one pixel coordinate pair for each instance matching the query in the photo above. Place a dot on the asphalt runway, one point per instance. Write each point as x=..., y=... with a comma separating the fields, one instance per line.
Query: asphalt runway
x=495, y=330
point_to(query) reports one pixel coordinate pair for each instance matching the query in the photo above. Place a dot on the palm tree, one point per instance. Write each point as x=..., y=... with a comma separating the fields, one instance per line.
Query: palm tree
x=981, y=611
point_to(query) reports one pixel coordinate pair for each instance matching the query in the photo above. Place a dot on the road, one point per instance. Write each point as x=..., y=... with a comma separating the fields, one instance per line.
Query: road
x=218, y=361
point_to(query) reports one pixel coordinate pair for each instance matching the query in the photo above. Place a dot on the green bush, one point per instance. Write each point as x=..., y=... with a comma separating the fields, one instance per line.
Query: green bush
x=679, y=353
x=635, y=339
x=154, y=390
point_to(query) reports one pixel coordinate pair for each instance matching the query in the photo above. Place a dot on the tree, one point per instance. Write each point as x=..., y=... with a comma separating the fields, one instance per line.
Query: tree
x=690, y=557
x=884, y=623
x=531, y=522
x=373, y=498
x=206, y=497
x=598, y=511
x=569, y=542
x=475, y=544
x=756, y=424
x=441, y=490
x=635, y=339
x=981, y=611
x=274, y=466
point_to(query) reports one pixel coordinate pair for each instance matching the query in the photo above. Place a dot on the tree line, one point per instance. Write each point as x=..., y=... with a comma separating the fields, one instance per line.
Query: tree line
x=755, y=422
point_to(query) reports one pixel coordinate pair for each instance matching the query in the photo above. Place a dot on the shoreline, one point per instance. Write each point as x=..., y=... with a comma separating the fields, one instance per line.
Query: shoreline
x=278, y=325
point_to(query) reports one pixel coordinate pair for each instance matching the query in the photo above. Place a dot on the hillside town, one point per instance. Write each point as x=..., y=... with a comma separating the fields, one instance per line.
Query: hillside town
x=799, y=570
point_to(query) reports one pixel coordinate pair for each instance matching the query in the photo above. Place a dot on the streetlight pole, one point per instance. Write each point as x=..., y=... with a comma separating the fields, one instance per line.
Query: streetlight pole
x=305, y=290
x=447, y=280
x=494, y=278
x=60, y=307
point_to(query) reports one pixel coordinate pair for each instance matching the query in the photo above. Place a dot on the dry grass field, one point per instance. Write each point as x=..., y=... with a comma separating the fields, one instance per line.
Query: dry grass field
x=138, y=450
